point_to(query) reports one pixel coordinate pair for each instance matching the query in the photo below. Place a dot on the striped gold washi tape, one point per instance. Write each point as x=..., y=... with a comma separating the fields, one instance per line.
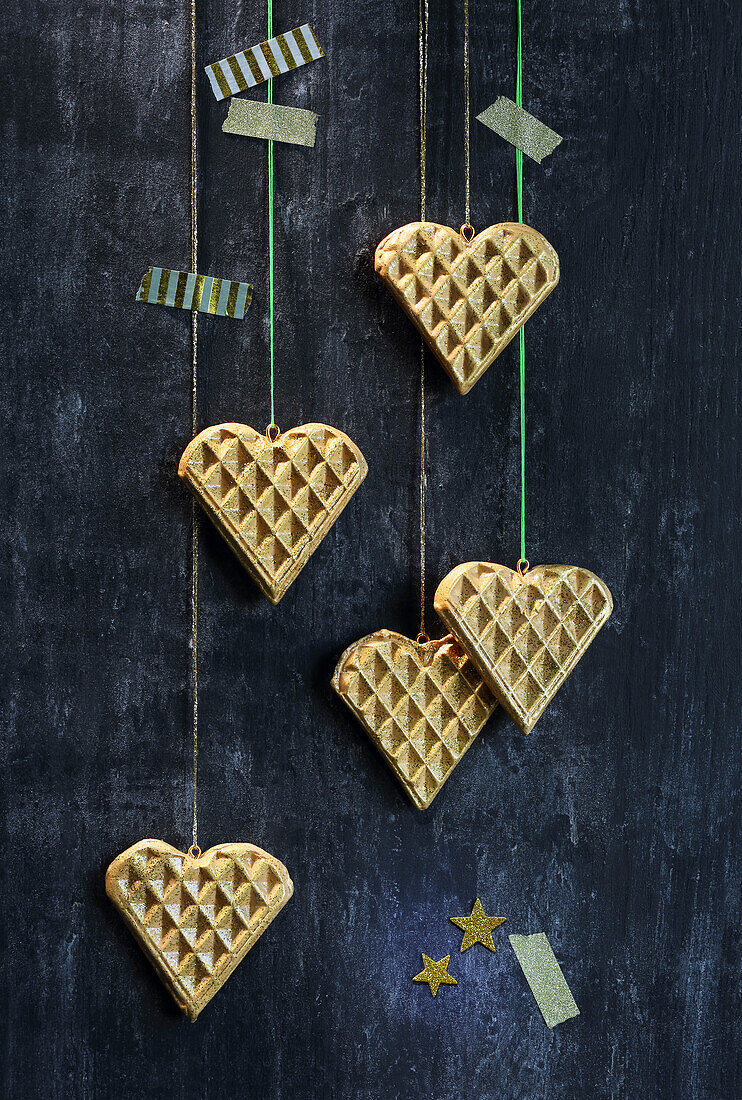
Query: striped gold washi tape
x=250, y=67
x=162, y=286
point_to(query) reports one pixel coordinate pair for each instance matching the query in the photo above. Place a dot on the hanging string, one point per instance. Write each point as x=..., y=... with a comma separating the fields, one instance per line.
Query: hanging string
x=270, y=236
x=194, y=418
x=466, y=110
x=422, y=13
x=521, y=334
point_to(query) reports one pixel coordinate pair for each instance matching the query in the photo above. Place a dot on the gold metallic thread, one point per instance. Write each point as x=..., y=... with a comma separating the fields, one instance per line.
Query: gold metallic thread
x=423, y=14
x=194, y=423
x=466, y=109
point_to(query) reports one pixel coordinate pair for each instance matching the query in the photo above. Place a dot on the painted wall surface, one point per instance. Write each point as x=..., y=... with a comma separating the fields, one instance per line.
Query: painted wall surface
x=614, y=827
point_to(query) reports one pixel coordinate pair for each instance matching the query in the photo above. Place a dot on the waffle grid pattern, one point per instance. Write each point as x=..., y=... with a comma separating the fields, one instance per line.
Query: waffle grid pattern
x=422, y=705
x=524, y=634
x=273, y=502
x=197, y=918
x=468, y=300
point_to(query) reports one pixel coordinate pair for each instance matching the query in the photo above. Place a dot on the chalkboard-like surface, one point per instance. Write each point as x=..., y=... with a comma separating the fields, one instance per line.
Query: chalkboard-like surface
x=614, y=826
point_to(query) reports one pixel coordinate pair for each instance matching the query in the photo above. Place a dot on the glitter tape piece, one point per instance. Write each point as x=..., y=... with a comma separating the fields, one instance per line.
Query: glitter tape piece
x=519, y=128
x=162, y=286
x=545, y=977
x=268, y=59
x=271, y=121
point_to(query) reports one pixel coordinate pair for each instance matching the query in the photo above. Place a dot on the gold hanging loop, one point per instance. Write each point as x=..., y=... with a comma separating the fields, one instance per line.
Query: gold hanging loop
x=467, y=232
x=428, y=647
x=273, y=428
x=194, y=851
x=523, y=566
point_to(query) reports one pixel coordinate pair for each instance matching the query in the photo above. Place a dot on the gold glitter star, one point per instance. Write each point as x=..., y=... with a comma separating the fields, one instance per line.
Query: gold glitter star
x=477, y=927
x=435, y=974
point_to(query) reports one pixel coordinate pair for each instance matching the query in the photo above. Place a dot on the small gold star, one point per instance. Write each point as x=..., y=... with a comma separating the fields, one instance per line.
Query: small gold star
x=477, y=927
x=435, y=974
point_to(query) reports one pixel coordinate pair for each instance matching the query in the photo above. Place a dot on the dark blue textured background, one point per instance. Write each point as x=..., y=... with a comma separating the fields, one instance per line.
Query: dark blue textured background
x=614, y=826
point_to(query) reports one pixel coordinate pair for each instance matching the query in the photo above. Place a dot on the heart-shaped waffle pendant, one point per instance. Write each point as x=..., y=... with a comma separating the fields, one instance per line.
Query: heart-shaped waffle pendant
x=422, y=704
x=524, y=632
x=273, y=501
x=196, y=917
x=467, y=298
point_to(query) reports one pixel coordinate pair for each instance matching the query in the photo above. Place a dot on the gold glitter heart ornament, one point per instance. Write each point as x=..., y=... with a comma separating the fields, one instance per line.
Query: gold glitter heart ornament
x=196, y=917
x=273, y=501
x=524, y=632
x=422, y=705
x=467, y=298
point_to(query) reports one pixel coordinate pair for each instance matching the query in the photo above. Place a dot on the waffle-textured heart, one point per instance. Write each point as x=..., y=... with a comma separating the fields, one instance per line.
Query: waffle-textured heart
x=524, y=633
x=468, y=299
x=273, y=502
x=422, y=704
x=197, y=917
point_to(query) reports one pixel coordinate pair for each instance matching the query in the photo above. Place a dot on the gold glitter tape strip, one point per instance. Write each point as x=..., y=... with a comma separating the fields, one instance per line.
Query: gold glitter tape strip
x=262, y=62
x=544, y=975
x=519, y=128
x=271, y=121
x=163, y=286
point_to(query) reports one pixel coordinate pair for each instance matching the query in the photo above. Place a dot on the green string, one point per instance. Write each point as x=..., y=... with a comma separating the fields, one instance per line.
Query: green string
x=521, y=334
x=270, y=230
